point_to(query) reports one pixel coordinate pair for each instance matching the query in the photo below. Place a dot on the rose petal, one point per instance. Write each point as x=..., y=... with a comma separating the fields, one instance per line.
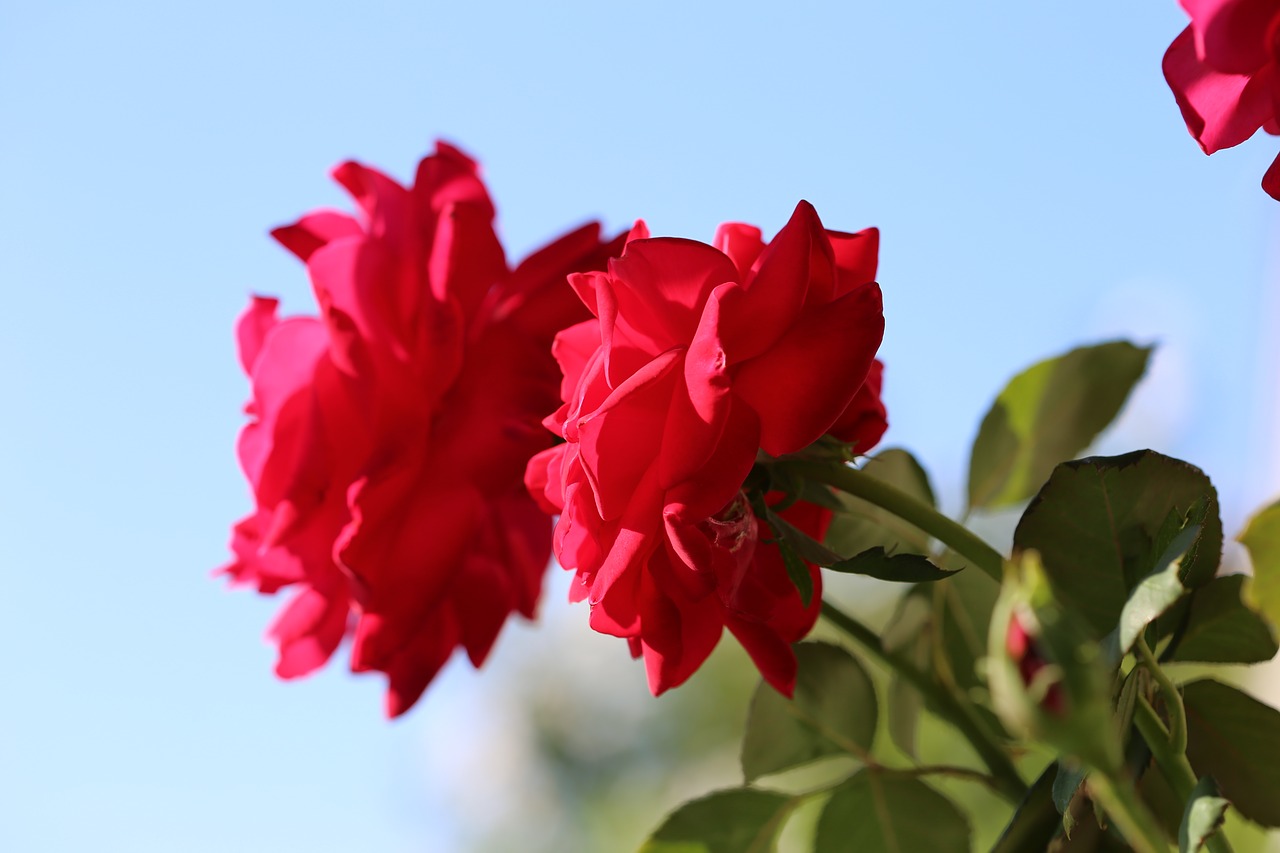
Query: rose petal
x=619, y=442
x=754, y=316
x=857, y=256
x=742, y=243
x=309, y=630
x=661, y=285
x=314, y=231
x=1231, y=35
x=678, y=632
x=252, y=328
x=806, y=381
x=1221, y=110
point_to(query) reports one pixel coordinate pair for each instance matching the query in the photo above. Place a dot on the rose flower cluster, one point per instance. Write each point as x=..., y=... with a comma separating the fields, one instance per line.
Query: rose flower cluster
x=408, y=447
x=1224, y=70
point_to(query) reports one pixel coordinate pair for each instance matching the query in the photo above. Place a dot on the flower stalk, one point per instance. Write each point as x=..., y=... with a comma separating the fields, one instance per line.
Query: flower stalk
x=954, y=535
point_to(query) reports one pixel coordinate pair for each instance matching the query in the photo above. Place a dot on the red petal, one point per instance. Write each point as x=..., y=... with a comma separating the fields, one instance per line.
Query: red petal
x=387, y=206
x=573, y=349
x=678, y=632
x=865, y=420
x=754, y=316
x=742, y=243
x=805, y=382
x=1221, y=110
x=1232, y=35
x=314, y=231
x=857, y=256
x=542, y=479
x=661, y=286
x=308, y=631
x=448, y=177
x=712, y=486
x=466, y=259
x=619, y=442
x=771, y=654
x=252, y=328
x=403, y=545
x=1271, y=180
x=699, y=403
x=537, y=294
x=285, y=413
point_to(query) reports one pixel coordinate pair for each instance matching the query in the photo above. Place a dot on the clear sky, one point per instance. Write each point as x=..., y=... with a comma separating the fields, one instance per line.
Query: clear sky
x=1028, y=168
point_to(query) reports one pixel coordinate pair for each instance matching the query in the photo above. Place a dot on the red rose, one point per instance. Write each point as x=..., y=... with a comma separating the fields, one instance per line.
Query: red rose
x=389, y=436
x=700, y=357
x=1223, y=71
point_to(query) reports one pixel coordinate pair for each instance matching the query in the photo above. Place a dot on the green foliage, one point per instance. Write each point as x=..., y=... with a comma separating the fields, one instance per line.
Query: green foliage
x=909, y=633
x=833, y=713
x=882, y=811
x=1262, y=539
x=1098, y=525
x=1047, y=414
x=739, y=820
x=1204, y=814
x=1066, y=783
x=942, y=627
x=1161, y=589
x=900, y=568
x=864, y=525
x=1222, y=628
x=1236, y=739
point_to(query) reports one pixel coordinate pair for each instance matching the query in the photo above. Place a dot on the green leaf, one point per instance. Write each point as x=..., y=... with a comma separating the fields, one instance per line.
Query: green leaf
x=962, y=613
x=901, y=568
x=801, y=543
x=739, y=820
x=1236, y=739
x=798, y=571
x=1222, y=628
x=1065, y=784
x=863, y=525
x=909, y=632
x=1154, y=594
x=880, y=811
x=798, y=549
x=1047, y=414
x=1261, y=537
x=945, y=628
x=1203, y=817
x=1098, y=523
x=833, y=713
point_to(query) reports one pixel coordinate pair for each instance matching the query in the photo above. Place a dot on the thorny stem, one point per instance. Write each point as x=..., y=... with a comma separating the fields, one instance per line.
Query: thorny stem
x=1005, y=776
x=1174, y=764
x=1168, y=692
x=862, y=485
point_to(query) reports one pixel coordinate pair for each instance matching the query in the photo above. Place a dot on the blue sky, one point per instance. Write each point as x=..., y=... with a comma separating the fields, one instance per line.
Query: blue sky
x=1028, y=168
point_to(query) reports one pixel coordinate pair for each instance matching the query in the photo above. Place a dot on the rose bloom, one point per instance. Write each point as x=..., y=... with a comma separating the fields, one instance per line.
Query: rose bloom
x=1223, y=70
x=698, y=358
x=388, y=437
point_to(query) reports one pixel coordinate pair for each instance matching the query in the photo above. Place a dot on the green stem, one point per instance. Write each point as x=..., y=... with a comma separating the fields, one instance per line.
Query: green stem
x=1174, y=765
x=1008, y=782
x=1168, y=692
x=1120, y=801
x=862, y=485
